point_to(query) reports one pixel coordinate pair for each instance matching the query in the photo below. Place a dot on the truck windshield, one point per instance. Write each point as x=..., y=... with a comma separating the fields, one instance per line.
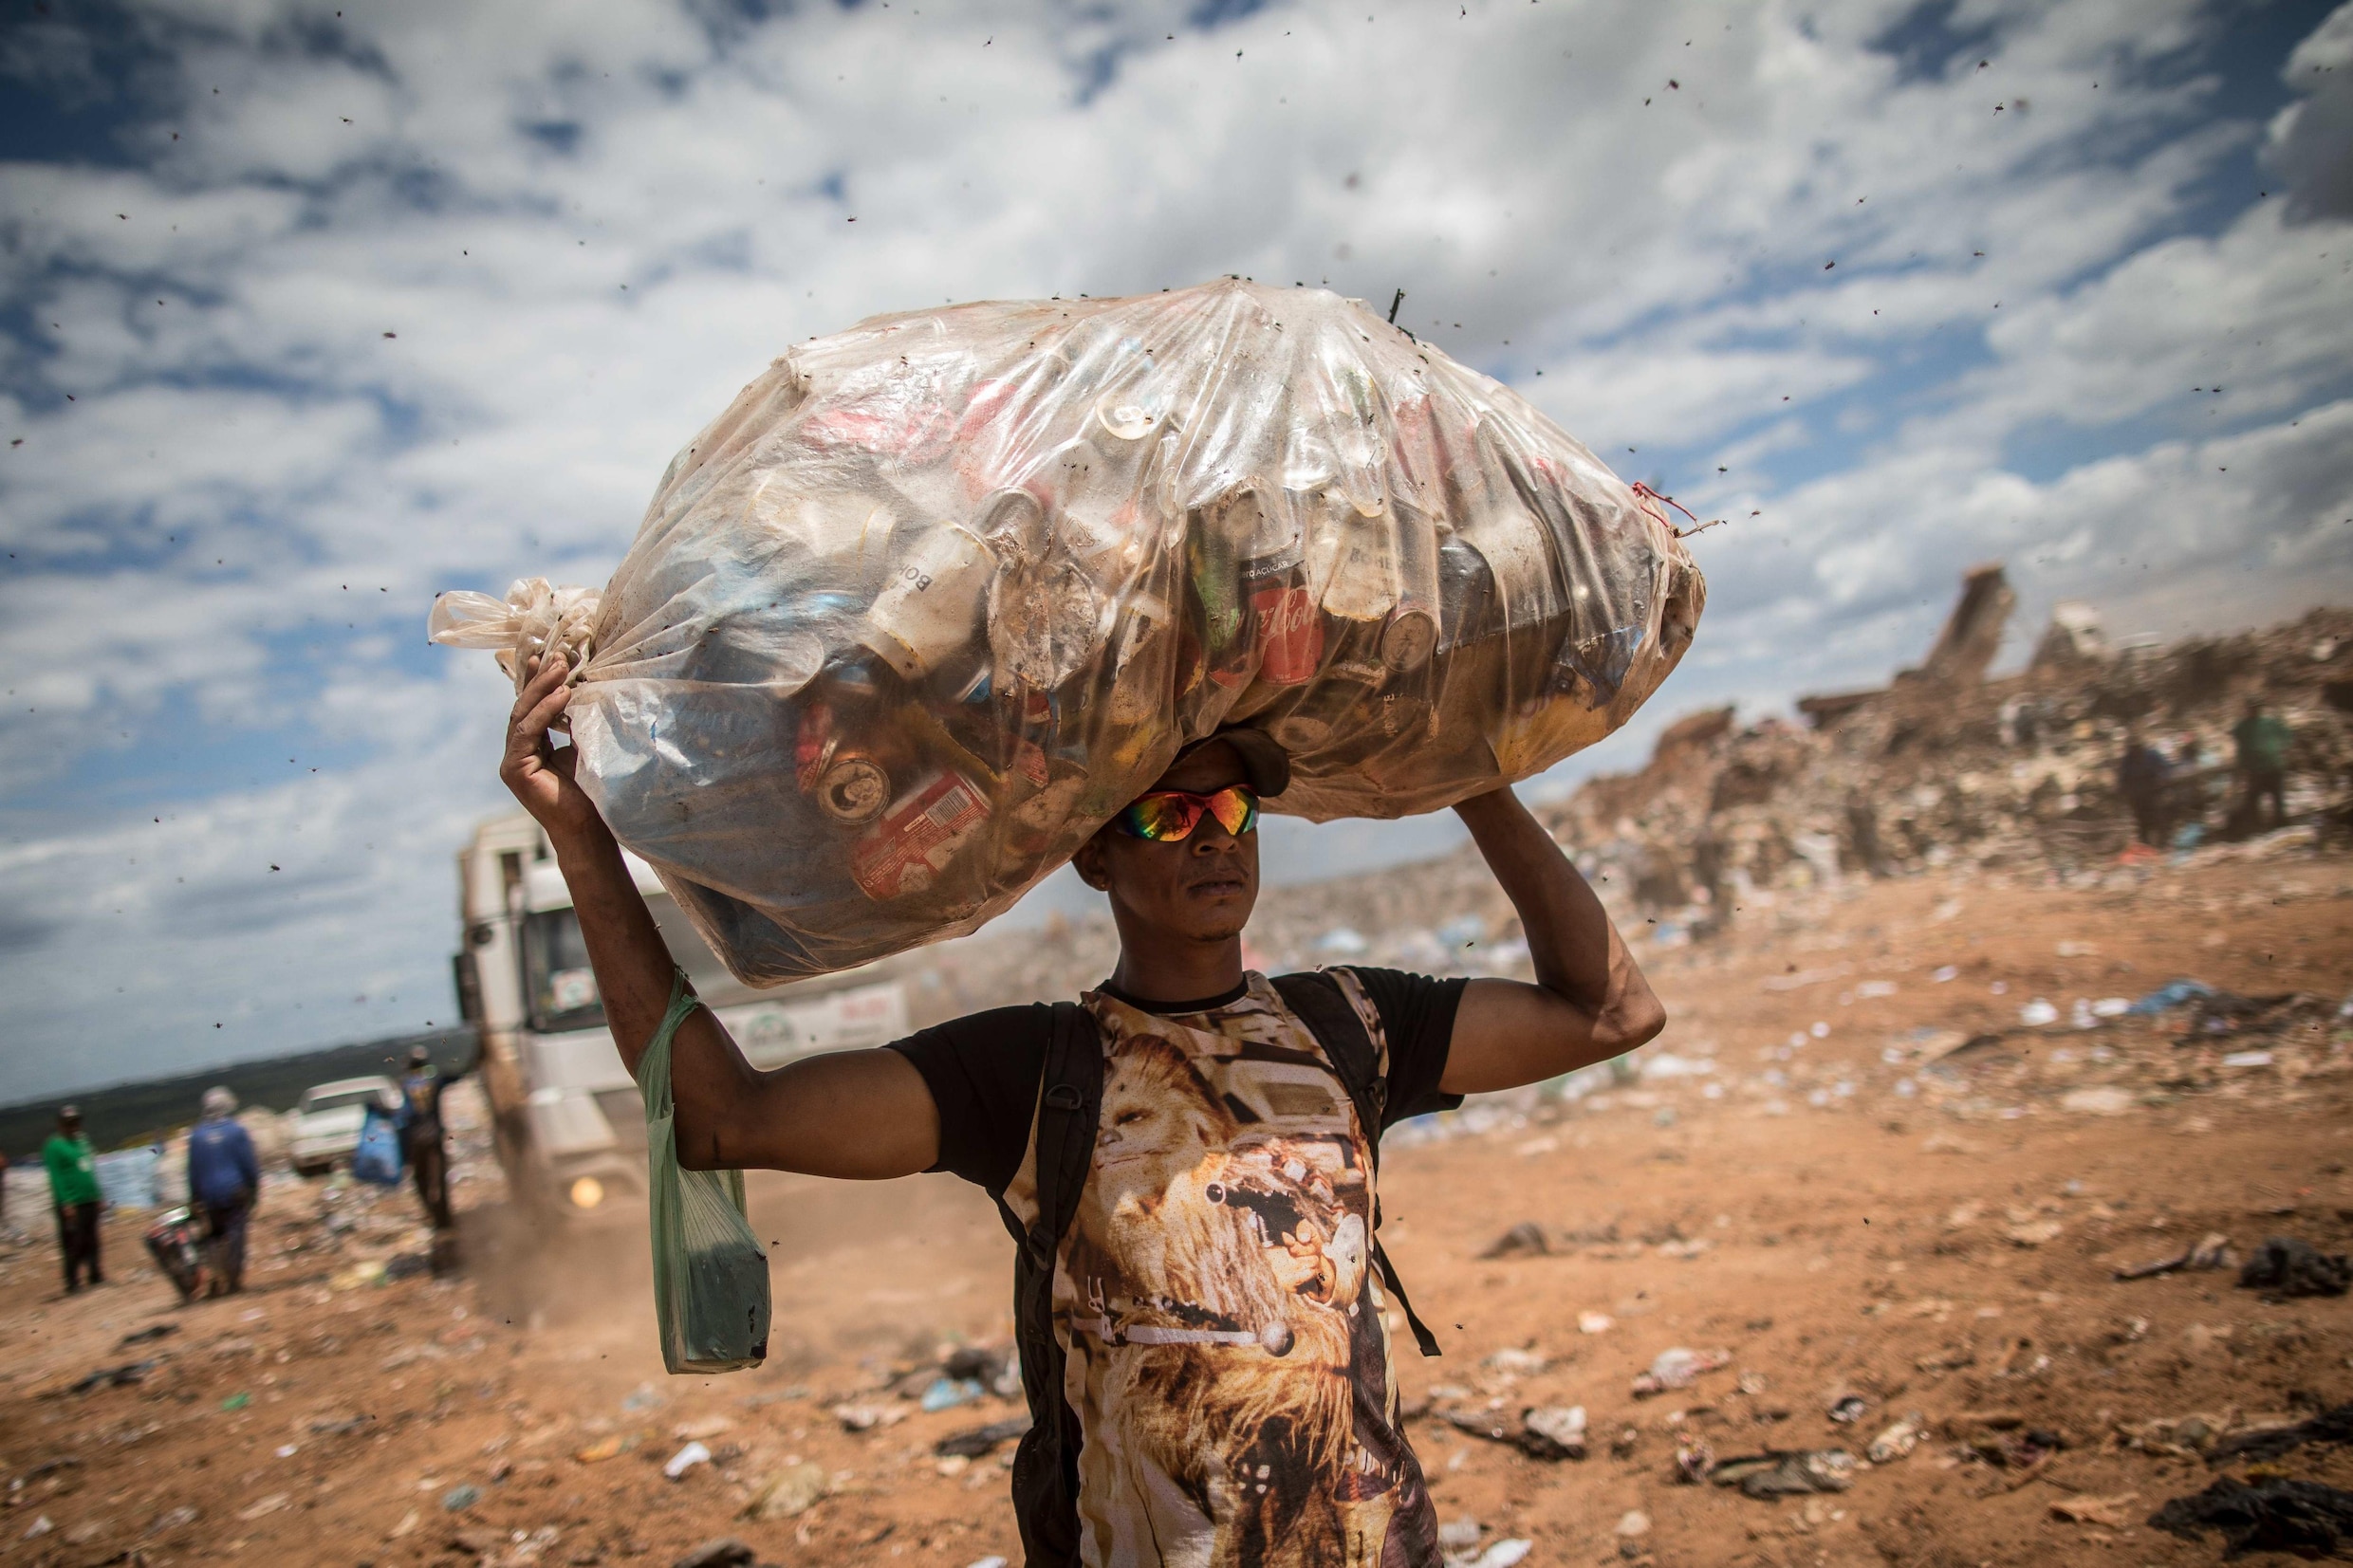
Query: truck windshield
x=562, y=988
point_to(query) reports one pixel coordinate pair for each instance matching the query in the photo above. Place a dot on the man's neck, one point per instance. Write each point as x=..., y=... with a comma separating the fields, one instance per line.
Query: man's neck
x=1184, y=974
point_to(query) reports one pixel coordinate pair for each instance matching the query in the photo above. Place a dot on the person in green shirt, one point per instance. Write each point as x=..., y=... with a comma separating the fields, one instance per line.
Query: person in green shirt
x=2262, y=764
x=73, y=1188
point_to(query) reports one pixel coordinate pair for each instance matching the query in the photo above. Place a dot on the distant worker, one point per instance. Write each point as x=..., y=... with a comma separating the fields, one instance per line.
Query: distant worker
x=2262, y=764
x=224, y=1178
x=421, y=1088
x=2142, y=776
x=73, y=1189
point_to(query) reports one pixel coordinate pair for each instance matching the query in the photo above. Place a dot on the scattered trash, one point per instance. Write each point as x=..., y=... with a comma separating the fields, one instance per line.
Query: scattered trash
x=726, y=1551
x=2273, y=1515
x=1595, y=1322
x=459, y=1497
x=2288, y=1266
x=642, y=1398
x=2334, y=1426
x=236, y=1401
x=859, y=1418
x=791, y=1491
x=262, y=1509
x=1897, y=1441
x=1849, y=1410
x=710, y=1426
x=2103, y=1099
x=1517, y=1361
x=2212, y=1251
x=2247, y=1059
x=144, y=1335
x=39, y=1527
x=947, y=1394
x=1503, y=1554
x=1632, y=1525
x=2034, y=1233
x=164, y=1524
x=606, y=1447
x=1675, y=1369
x=686, y=1459
x=1778, y=1473
x=1526, y=1239
x=1693, y=1461
x=2112, y=1512
x=115, y=1377
x=976, y=1442
x=1554, y=1431
x=986, y=1563
x=1459, y=1535
x=2038, y=1013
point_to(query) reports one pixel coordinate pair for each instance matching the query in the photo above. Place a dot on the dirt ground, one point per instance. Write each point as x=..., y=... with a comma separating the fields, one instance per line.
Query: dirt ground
x=1856, y=1172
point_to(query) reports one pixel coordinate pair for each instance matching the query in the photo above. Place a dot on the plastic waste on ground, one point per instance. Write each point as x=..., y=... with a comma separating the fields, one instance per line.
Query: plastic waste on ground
x=711, y=1286
x=939, y=594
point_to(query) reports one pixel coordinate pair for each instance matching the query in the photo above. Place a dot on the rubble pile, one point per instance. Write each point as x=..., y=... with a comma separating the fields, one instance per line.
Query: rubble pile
x=1945, y=767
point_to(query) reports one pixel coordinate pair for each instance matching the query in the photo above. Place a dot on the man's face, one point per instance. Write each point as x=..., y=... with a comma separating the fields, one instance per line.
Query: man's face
x=1200, y=888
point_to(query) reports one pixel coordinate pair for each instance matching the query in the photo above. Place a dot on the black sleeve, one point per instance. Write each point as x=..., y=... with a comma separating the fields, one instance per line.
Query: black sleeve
x=1417, y=1015
x=983, y=1071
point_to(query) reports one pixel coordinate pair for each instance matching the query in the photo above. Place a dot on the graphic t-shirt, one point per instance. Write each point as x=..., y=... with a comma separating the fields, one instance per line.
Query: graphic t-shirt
x=1225, y=1339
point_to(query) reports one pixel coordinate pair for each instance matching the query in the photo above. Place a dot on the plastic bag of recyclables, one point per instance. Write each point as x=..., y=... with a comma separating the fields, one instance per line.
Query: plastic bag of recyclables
x=938, y=595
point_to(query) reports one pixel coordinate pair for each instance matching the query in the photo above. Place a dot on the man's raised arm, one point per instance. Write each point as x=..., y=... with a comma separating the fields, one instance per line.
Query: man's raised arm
x=1590, y=1002
x=854, y=1114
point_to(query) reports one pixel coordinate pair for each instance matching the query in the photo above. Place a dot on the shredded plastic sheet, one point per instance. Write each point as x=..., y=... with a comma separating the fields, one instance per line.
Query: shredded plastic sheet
x=711, y=1286
x=938, y=595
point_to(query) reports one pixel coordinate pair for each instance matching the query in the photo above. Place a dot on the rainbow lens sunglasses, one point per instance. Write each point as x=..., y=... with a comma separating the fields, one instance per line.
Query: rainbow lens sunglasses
x=1168, y=815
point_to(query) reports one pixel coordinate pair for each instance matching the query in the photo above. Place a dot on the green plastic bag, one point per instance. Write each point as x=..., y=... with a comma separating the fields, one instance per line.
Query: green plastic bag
x=711, y=1289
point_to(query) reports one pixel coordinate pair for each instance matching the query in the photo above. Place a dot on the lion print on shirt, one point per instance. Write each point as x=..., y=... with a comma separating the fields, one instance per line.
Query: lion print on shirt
x=1227, y=1348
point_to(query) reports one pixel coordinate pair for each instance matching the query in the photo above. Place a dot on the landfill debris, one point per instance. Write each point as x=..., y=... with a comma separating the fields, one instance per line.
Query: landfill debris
x=1554, y=1431
x=1524, y=1239
x=2270, y=1515
x=1783, y=1473
x=865, y=1417
x=1898, y=1441
x=1694, y=1460
x=2035, y=1232
x=2100, y=1100
x=1502, y=1554
x=2183, y=1436
x=610, y=1447
x=1676, y=1367
x=986, y=1562
x=144, y=1335
x=263, y=1508
x=114, y=1377
x=725, y=1552
x=1517, y=1361
x=1595, y=1322
x=2114, y=1512
x=978, y=1442
x=459, y=1497
x=2285, y=1266
x=1632, y=1525
x=2332, y=1426
x=1459, y=1535
x=236, y=1402
x=39, y=1527
x=1849, y=1410
x=2211, y=1251
x=788, y=1493
x=686, y=1459
x=947, y=1394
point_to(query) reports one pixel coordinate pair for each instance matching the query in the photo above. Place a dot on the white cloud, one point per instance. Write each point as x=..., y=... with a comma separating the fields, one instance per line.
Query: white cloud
x=483, y=181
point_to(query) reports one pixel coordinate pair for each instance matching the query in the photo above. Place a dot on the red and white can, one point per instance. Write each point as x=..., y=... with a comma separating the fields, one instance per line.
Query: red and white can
x=913, y=842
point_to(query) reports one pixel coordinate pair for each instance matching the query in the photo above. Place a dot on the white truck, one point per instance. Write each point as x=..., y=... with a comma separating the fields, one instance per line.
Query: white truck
x=569, y=1127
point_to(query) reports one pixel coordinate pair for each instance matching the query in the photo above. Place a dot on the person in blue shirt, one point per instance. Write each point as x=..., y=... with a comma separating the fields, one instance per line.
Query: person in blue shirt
x=224, y=1178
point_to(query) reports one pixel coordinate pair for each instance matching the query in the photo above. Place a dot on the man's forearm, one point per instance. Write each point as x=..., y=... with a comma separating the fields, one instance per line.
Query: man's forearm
x=632, y=963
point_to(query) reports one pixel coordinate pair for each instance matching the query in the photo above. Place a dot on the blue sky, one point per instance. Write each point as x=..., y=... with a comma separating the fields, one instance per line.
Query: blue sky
x=309, y=311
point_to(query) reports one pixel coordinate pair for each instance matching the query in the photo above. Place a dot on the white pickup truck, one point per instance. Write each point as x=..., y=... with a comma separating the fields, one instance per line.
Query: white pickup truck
x=569, y=1127
x=323, y=1128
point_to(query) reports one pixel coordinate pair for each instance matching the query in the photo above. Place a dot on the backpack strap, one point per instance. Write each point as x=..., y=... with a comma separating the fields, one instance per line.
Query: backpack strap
x=1045, y=1470
x=1339, y=1029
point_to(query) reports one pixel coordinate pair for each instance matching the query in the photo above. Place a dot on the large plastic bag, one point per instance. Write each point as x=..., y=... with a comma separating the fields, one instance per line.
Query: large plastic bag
x=710, y=1288
x=937, y=596
x=377, y=1158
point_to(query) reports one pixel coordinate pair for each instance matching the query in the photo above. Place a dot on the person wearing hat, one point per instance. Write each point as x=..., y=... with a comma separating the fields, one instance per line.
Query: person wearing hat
x=73, y=1191
x=419, y=1122
x=224, y=1178
x=1186, y=1155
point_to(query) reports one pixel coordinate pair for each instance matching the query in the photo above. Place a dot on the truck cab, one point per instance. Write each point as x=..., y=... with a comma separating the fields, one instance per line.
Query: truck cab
x=570, y=1128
